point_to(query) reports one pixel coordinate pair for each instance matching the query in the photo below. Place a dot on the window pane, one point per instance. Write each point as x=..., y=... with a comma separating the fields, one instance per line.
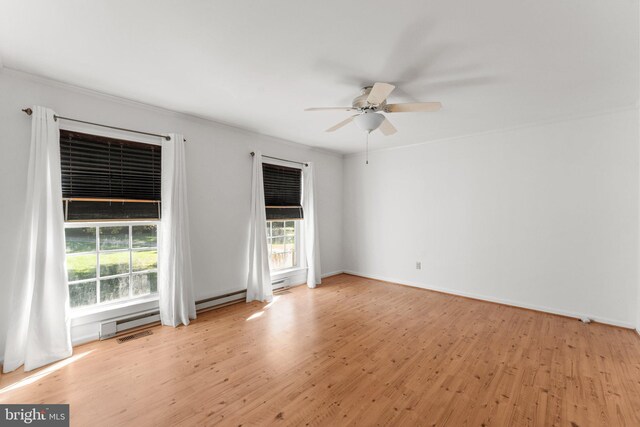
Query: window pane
x=144, y=236
x=290, y=240
x=80, y=267
x=145, y=260
x=144, y=284
x=82, y=294
x=114, y=238
x=277, y=228
x=80, y=239
x=114, y=289
x=290, y=228
x=277, y=245
x=279, y=261
x=113, y=263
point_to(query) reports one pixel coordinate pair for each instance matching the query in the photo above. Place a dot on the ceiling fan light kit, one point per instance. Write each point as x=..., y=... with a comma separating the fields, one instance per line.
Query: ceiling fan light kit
x=370, y=103
x=368, y=121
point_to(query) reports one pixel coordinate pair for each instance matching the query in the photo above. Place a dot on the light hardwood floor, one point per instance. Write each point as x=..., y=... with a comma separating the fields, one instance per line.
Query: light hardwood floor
x=352, y=352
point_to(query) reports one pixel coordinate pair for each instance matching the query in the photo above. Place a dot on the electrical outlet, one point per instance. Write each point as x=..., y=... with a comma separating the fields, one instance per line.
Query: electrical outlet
x=418, y=265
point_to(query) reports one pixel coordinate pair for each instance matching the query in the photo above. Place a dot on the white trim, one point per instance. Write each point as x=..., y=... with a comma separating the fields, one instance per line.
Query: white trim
x=304, y=278
x=282, y=274
x=149, y=107
x=332, y=273
x=503, y=301
x=98, y=312
x=564, y=119
x=84, y=340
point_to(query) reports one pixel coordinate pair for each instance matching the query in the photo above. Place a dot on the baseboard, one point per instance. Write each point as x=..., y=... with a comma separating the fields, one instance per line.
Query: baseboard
x=84, y=339
x=497, y=300
x=333, y=273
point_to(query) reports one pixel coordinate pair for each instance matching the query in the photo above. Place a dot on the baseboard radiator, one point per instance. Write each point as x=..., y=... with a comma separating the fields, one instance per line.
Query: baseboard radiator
x=116, y=326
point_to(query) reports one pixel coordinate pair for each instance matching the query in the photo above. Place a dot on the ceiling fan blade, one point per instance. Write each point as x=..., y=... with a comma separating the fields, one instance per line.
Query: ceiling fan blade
x=379, y=92
x=330, y=109
x=341, y=124
x=413, y=107
x=387, y=128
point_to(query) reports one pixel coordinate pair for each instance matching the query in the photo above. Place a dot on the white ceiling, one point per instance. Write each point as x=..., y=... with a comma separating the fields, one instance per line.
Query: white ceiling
x=257, y=64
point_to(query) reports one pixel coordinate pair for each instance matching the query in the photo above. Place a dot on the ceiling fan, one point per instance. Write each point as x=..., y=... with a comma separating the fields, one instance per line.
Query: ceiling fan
x=370, y=103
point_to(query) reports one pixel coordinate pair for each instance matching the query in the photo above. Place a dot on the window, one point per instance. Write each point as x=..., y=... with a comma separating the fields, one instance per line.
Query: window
x=281, y=242
x=111, y=201
x=283, y=203
x=111, y=262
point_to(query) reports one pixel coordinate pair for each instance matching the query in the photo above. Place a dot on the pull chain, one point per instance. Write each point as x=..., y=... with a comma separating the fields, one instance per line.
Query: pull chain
x=367, y=150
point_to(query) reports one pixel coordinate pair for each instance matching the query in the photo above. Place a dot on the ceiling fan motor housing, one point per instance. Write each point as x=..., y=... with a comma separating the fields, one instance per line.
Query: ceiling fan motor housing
x=360, y=101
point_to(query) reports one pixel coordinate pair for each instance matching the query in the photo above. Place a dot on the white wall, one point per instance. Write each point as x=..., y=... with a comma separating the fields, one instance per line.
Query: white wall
x=544, y=217
x=219, y=177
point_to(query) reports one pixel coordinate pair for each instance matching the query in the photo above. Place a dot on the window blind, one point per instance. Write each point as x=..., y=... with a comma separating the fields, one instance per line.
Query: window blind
x=282, y=192
x=107, y=178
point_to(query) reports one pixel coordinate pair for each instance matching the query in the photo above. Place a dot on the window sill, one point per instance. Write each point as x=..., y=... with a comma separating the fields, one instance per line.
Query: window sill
x=82, y=316
x=281, y=274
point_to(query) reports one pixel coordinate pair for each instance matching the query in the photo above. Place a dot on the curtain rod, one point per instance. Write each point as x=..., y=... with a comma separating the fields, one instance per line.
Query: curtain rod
x=282, y=160
x=29, y=112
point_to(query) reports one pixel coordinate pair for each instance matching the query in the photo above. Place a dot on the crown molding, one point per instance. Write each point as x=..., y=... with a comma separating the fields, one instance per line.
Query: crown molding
x=562, y=119
x=154, y=108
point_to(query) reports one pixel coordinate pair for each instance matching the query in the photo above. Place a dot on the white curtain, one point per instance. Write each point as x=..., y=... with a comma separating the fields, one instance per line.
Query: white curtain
x=39, y=326
x=175, y=282
x=259, y=282
x=311, y=239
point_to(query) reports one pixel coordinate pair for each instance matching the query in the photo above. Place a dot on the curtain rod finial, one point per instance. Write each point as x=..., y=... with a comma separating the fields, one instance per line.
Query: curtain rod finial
x=29, y=111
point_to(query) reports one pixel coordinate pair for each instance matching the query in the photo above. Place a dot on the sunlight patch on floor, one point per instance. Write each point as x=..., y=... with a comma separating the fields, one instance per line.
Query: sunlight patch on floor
x=44, y=372
x=261, y=312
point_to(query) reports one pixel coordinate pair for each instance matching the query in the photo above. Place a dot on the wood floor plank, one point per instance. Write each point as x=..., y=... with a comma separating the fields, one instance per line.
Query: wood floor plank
x=352, y=352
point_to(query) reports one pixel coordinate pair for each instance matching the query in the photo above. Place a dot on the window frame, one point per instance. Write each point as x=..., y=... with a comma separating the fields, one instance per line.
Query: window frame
x=296, y=255
x=116, y=223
